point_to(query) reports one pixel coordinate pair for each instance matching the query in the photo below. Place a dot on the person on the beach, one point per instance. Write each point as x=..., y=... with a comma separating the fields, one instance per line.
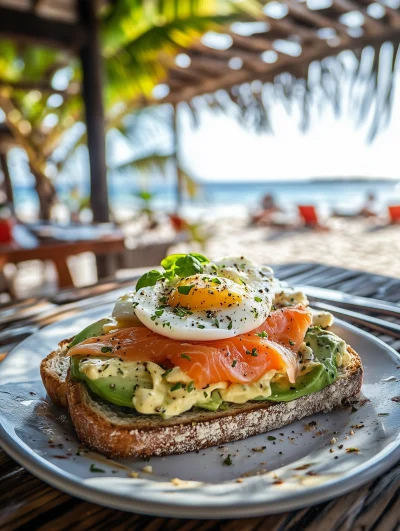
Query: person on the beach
x=269, y=207
x=369, y=208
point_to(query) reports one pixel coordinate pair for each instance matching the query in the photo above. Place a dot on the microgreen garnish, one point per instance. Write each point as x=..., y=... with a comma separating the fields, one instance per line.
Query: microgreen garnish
x=106, y=349
x=94, y=468
x=228, y=461
x=148, y=279
x=190, y=387
x=186, y=357
x=258, y=299
x=185, y=290
x=176, y=387
x=262, y=334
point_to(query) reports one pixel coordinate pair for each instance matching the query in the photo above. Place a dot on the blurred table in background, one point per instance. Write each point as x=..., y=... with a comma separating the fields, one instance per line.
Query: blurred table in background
x=28, y=503
x=56, y=243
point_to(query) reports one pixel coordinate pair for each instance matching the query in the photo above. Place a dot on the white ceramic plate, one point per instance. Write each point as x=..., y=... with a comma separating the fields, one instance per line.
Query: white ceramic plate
x=299, y=467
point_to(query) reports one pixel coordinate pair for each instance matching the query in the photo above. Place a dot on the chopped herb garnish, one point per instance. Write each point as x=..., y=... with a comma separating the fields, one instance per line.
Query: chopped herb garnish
x=383, y=414
x=186, y=357
x=215, y=281
x=291, y=342
x=258, y=299
x=230, y=325
x=134, y=304
x=185, y=290
x=253, y=352
x=216, y=323
x=159, y=312
x=352, y=450
x=200, y=326
x=106, y=349
x=190, y=387
x=94, y=468
x=262, y=334
x=271, y=438
x=228, y=460
x=181, y=311
x=205, y=394
x=164, y=374
x=176, y=387
x=234, y=362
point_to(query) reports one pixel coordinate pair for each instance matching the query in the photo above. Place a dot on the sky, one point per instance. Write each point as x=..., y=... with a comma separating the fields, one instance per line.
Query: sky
x=221, y=149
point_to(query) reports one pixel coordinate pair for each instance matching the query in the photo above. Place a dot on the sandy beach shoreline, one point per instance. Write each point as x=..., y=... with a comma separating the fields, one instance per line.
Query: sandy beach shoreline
x=361, y=244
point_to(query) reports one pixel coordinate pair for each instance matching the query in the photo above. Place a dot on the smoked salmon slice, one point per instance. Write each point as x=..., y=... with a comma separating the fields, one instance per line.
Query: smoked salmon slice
x=241, y=359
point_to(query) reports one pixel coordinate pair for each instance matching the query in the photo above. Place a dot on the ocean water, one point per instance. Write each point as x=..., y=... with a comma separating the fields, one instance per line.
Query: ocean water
x=226, y=198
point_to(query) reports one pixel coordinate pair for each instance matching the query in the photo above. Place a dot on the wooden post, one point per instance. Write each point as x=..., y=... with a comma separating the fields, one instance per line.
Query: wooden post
x=175, y=155
x=7, y=181
x=92, y=80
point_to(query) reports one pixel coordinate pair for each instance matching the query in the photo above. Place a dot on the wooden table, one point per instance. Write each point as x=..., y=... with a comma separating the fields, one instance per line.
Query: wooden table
x=28, y=503
x=58, y=251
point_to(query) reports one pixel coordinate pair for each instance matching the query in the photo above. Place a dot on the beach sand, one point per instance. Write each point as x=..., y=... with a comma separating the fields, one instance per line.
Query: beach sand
x=361, y=244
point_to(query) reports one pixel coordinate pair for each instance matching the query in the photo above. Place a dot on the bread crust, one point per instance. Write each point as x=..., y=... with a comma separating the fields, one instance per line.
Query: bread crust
x=103, y=429
x=54, y=375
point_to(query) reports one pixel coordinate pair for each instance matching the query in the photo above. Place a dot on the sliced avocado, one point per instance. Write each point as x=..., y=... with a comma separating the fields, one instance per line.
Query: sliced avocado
x=213, y=403
x=325, y=346
x=114, y=389
x=93, y=330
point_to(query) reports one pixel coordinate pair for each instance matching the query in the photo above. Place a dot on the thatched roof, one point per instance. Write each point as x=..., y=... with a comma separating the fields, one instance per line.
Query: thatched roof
x=288, y=38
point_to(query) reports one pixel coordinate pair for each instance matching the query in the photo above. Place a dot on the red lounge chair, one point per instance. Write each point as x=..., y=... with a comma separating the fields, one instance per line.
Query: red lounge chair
x=308, y=214
x=394, y=213
x=310, y=218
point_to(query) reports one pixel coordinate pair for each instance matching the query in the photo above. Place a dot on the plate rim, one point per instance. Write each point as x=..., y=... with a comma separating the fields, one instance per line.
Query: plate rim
x=58, y=478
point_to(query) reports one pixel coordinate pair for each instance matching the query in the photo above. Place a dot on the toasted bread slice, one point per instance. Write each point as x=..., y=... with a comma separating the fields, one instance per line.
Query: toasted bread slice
x=116, y=431
x=54, y=370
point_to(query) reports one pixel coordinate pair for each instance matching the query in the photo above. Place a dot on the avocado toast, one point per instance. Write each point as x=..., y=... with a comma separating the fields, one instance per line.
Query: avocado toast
x=132, y=391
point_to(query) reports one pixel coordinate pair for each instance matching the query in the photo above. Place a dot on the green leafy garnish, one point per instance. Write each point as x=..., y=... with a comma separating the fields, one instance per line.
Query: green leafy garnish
x=94, y=468
x=190, y=387
x=230, y=325
x=176, y=387
x=148, y=279
x=258, y=299
x=106, y=349
x=228, y=460
x=200, y=326
x=262, y=334
x=183, y=265
x=252, y=352
x=215, y=280
x=291, y=342
x=216, y=323
x=234, y=362
x=186, y=357
x=185, y=290
x=271, y=438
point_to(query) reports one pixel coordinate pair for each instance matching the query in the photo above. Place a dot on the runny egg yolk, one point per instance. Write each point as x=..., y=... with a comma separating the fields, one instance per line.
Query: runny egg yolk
x=202, y=292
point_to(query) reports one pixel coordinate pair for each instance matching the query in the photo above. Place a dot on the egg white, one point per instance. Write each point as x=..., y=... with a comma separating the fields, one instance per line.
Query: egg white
x=253, y=283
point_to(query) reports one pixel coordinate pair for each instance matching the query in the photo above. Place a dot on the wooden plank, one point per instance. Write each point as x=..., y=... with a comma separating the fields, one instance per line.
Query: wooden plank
x=29, y=28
